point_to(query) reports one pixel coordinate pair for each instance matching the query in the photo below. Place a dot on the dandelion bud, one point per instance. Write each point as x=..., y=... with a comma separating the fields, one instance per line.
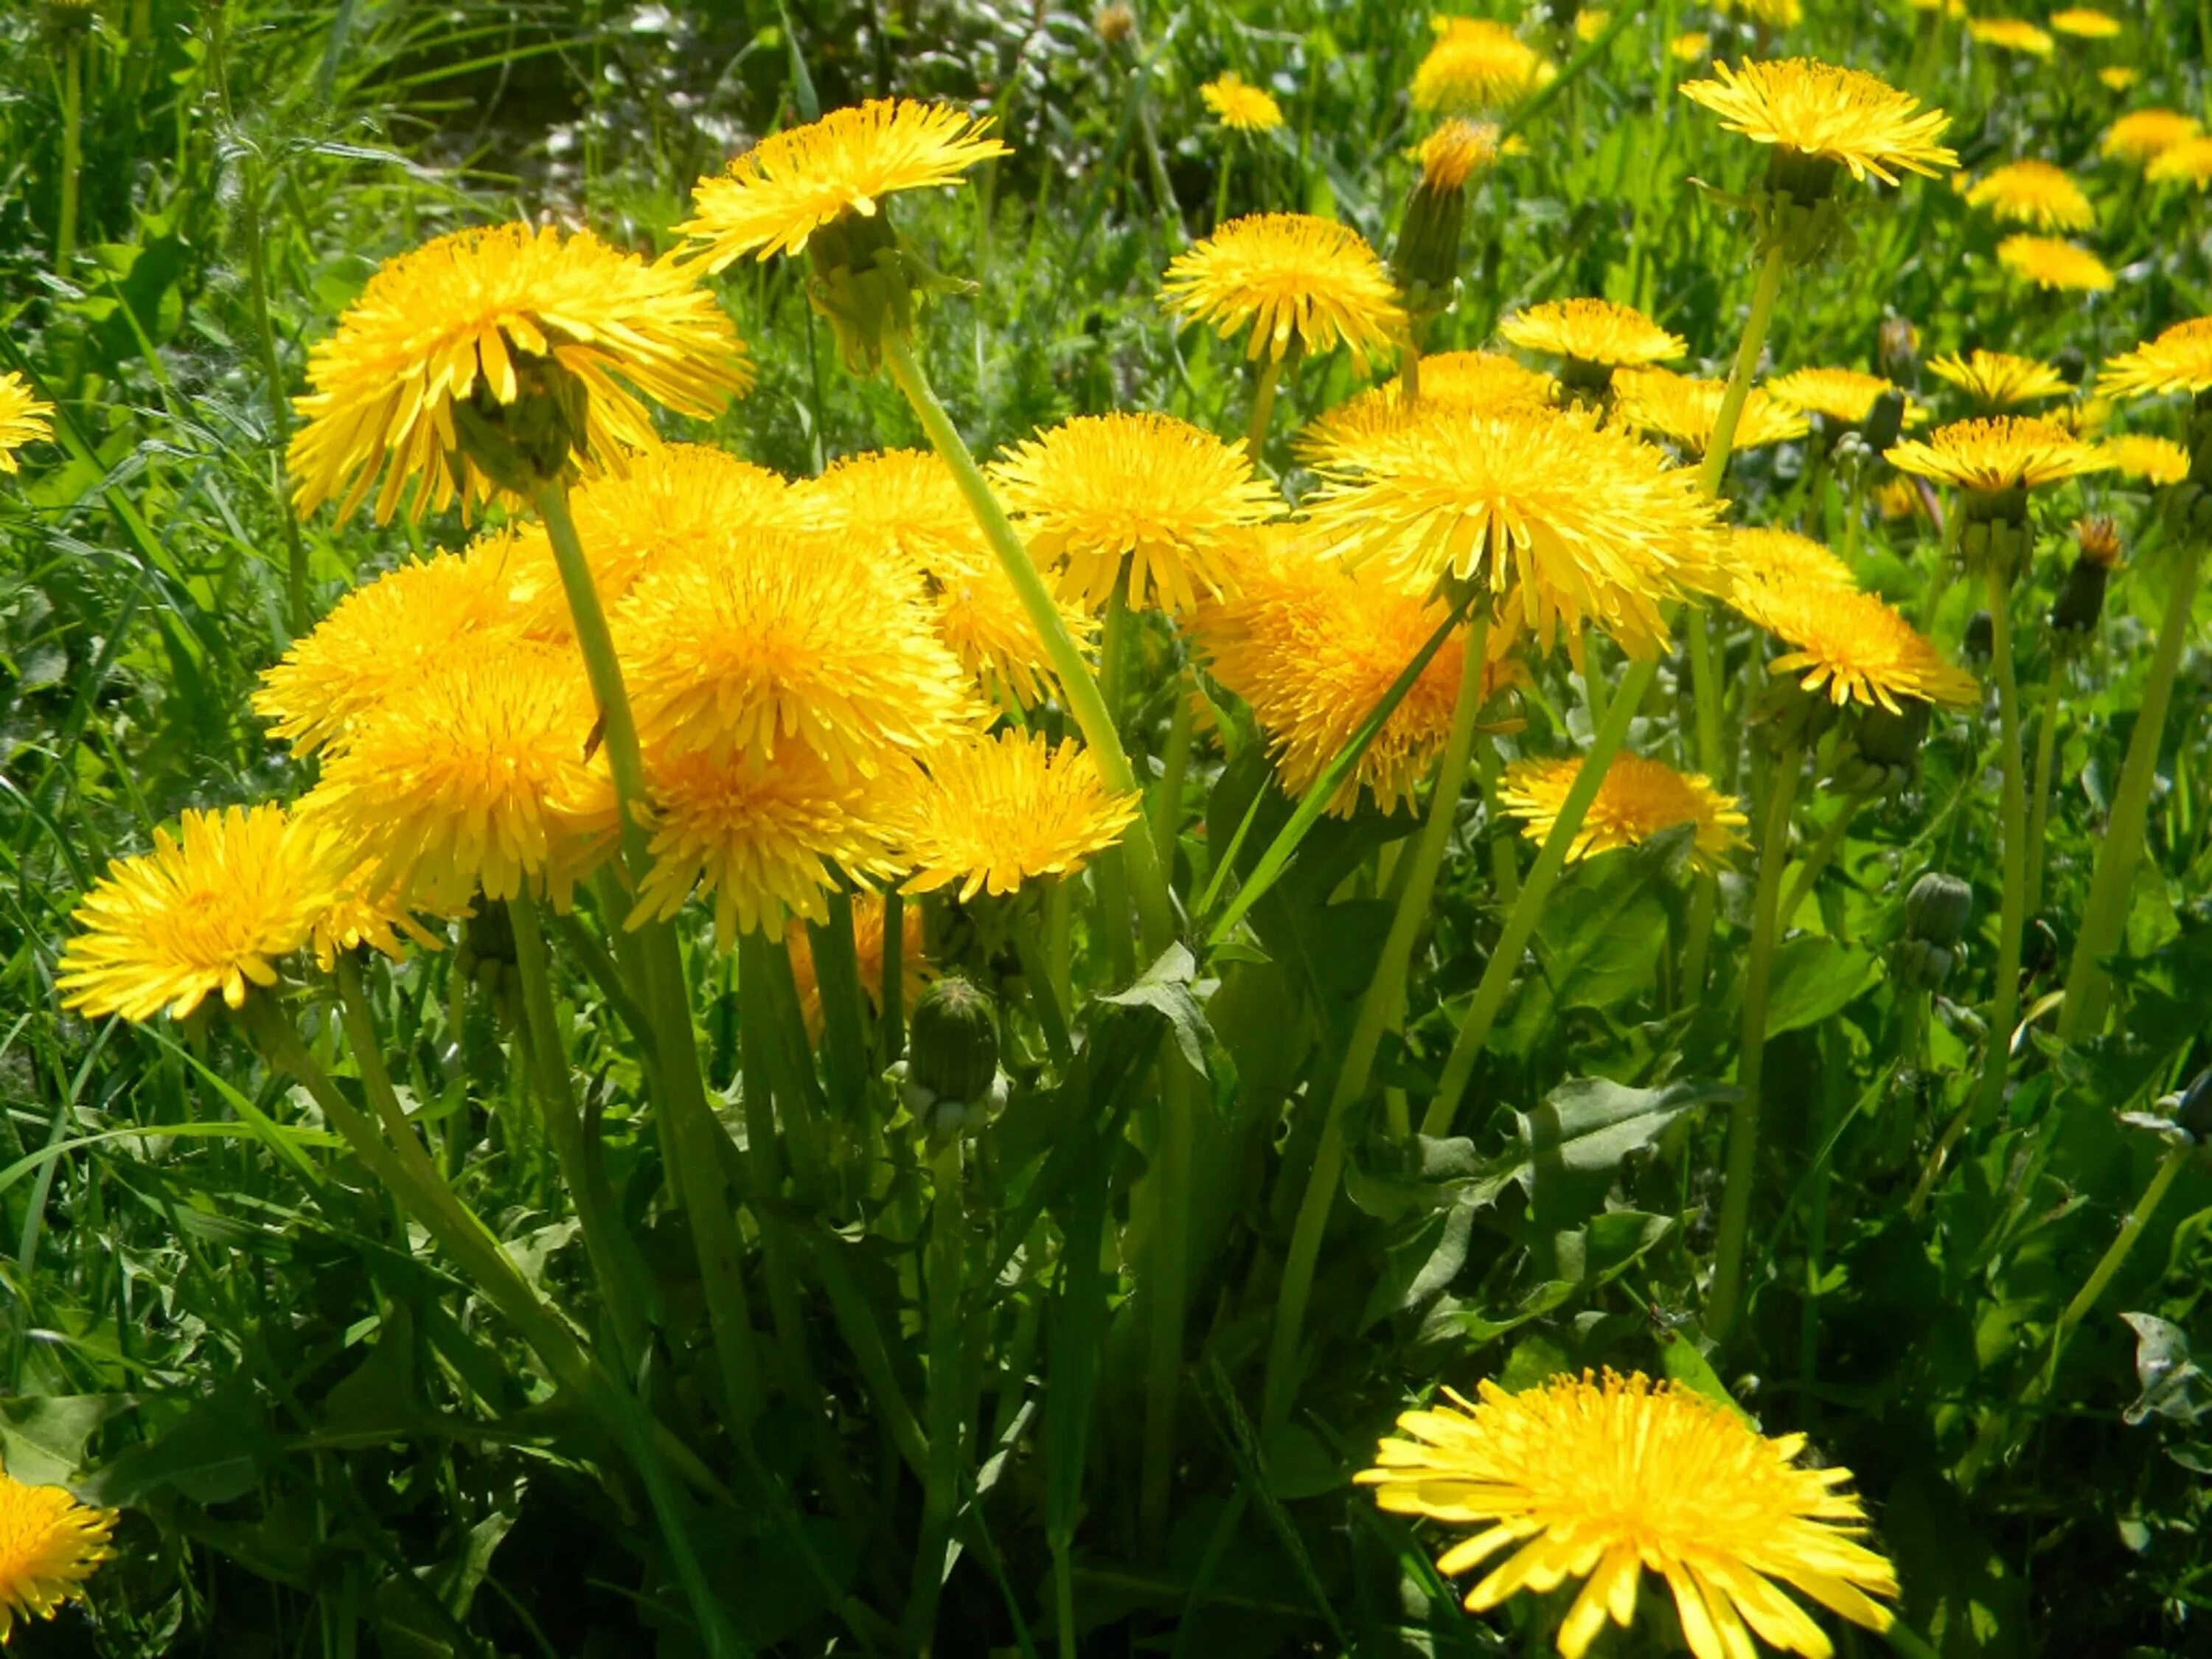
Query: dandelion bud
x=1883, y=750
x=2081, y=599
x=1425, y=263
x=1919, y=966
x=1938, y=909
x=531, y=441
x=1113, y=24
x=1885, y=423
x=953, y=1043
x=1981, y=636
x=1897, y=348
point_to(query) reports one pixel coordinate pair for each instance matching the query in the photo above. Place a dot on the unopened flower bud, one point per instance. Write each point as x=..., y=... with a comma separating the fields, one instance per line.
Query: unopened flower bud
x=952, y=1041
x=1919, y=966
x=1897, y=350
x=1981, y=636
x=2193, y=1112
x=1885, y=422
x=1113, y=24
x=2080, y=599
x=1938, y=909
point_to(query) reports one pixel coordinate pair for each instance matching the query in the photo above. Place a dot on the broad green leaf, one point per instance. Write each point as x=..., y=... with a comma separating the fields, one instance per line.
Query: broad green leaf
x=1812, y=978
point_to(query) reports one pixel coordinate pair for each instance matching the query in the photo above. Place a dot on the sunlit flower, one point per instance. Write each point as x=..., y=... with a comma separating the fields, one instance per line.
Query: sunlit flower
x=2012, y=35
x=2033, y=192
x=1146, y=492
x=1589, y=23
x=776, y=640
x=995, y=812
x=1290, y=279
x=1450, y=155
x=1819, y=110
x=1597, y=333
x=903, y=503
x=2049, y=263
x=2098, y=540
x=776, y=195
x=23, y=418
x=211, y=909
x=2179, y=359
x=366, y=911
x=1602, y=1480
x=1845, y=395
x=1458, y=380
x=1781, y=558
x=479, y=773
x=1899, y=498
x=2189, y=162
x=467, y=319
x=1581, y=522
x=1477, y=65
x=915, y=969
x=2155, y=460
x=49, y=1543
x=1854, y=646
x=1683, y=408
x=2118, y=77
x=1997, y=379
x=1769, y=14
x=1996, y=454
x=1241, y=106
x=1638, y=799
x=2142, y=135
x=983, y=622
x=2085, y=417
x=2084, y=23
x=1691, y=46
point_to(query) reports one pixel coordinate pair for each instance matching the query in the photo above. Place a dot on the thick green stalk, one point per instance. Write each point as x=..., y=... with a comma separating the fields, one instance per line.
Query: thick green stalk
x=1536, y=893
x=1167, y=799
x=1168, y=1270
x=72, y=152
x=2038, y=798
x=1817, y=859
x=891, y=994
x=2103, y=918
x=2012, y=924
x=947, y=1432
x=1263, y=408
x=2115, y=1256
x=1723, y=1303
x=1377, y=1007
x=1721, y=444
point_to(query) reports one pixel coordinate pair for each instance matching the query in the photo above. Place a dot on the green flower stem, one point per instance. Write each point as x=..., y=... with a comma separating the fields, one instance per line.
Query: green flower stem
x=1167, y=799
x=1817, y=859
x=1721, y=444
x=1221, y=180
x=1155, y=908
x=947, y=1432
x=1168, y=1271
x=1697, y=948
x=1504, y=870
x=846, y=1050
x=2115, y=1257
x=2038, y=798
x=1723, y=1303
x=1593, y=675
x=1377, y=1007
x=2104, y=917
x=2012, y=923
x=1536, y=893
x=1263, y=408
x=72, y=152
x=891, y=1021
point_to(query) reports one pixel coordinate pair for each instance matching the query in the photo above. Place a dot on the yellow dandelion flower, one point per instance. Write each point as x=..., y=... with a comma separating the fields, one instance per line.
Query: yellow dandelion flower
x=1997, y=379
x=1596, y=332
x=2032, y=192
x=2086, y=23
x=1601, y=1480
x=1450, y=155
x=1847, y=395
x=2118, y=77
x=2048, y=263
x=49, y=1543
x=212, y=908
x=774, y=639
x=2099, y=541
x=2084, y=417
x=1691, y=46
x=2012, y=35
x=378, y=641
x=2189, y=162
x=462, y=319
x=1996, y=454
x=1638, y=799
x=763, y=836
x=368, y=912
x=1854, y=646
x=1477, y=65
x=1240, y=107
x=995, y=812
x=23, y=418
x=776, y=195
x=1584, y=522
x=904, y=504
x=1770, y=13
x=2143, y=135
x=2155, y=460
x=1146, y=491
x=1683, y=408
x=1899, y=498
x=481, y=774
x=1291, y=278
x=1819, y=110
x=1589, y=23
x=2179, y=359
x=917, y=970
x=1457, y=380
x=1780, y=558
x=983, y=623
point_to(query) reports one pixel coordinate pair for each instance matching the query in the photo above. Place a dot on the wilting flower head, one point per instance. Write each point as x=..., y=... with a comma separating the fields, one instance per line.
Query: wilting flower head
x=2143, y=135
x=1817, y=110
x=1997, y=379
x=1638, y=799
x=1846, y=395
x=1781, y=558
x=378, y=642
x=479, y=773
x=2179, y=359
x=1581, y=522
x=1683, y=409
x=2189, y=162
x=1311, y=648
x=23, y=418
x=2156, y=461
x=1998, y=453
x=915, y=969
x=1451, y=379
x=1601, y=1480
x=49, y=1543
x=1476, y=65
x=474, y=318
x=2049, y=263
x=2012, y=35
x=1290, y=279
x=2032, y=192
x=995, y=812
x=1146, y=490
x=2084, y=23
x=1595, y=332
x=212, y=908
x=775, y=196
x=1114, y=22
x=771, y=639
x=1241, y=106
x=1852, y=645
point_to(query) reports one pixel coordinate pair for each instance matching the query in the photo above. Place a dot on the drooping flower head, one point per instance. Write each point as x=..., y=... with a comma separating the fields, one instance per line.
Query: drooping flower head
x=1594, y=336
x=2086, y=23
x=1241, y=106
x=2049, y=263
x=23, y=418
x=1844, y=395
x=996, y=811
x=1998, y=453
x=1818, y=111
x=1638, y=799
x=2012, y=35
x=2032, y=192
x=49, y=1543
x=1853, y=645
x=1600, y=1480
x=485, y=319
x=1475, y=65
x=211, y=909
x=1290, y=279
x=1145, y=492
x=917, y=970
x=1997, y=379
x=774, y=198
x=1451, y=379
x=2143, y=135
x=2156, y=461
x=1683, y=409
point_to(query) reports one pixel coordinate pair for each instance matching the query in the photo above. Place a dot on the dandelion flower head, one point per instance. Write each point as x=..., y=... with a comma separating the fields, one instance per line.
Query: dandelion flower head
x=2189, y=162
x=1853, y=645
x=1241, y=106
x=1846, y=395
x=2142, y=135
x=996, y=811
x=2086, y=23
x=1290, y=279
x=2033, y=192
x=1997, y=379
x=1995, y=453
x=917, y=970
x=2119, y=77
x=1840, y=115
x=1477, y=65
x=366, y=912
x=1595, y=331
x=1772, y=14
x=1683, y=409
x=904, y=504
x=24, y=418
x=49, y=1543
x=1639, y=798
x=2049, y=263
x=1691, y=46
x=1456, y=379
x=2012, y=35
x=1452, y=154
x=2156, y=461
x=2179, y=359
x=1780, y=558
